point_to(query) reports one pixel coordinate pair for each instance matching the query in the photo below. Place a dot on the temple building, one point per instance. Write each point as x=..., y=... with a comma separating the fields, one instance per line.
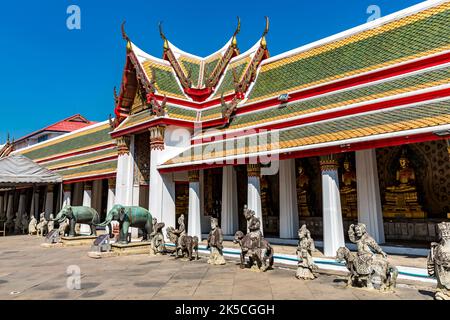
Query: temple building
x=354, y=127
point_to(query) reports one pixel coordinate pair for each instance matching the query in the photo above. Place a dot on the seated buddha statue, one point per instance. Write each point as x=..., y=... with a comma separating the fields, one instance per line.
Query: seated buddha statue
x=401, y=199
x=348, y=191
x=302, y=192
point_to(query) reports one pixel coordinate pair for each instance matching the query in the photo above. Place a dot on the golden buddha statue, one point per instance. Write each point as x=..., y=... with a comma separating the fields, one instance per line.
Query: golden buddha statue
x=348, y=191
x=402, y=199
x=302, y=192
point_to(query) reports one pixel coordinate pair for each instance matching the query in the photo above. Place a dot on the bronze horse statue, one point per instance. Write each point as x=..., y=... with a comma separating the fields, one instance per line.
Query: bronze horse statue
x=262, y=254
x=185, y=245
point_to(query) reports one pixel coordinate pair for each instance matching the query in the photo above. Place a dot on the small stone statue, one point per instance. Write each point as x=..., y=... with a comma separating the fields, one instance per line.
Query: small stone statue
x=157, y=244
x=64, y=228
x=42, y=225
x=24, y=223
x=50, y=223
x=253, y=244
x=215, y=244
x=367, y=269
x=185, y=245
x=439, y=262
x=307, y=269
x=32, y=226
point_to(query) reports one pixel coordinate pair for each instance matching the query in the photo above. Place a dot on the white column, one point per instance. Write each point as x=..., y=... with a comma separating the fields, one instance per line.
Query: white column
x=333, y=233
x=125, y=166
x=288, y=200
x=229, y=214
x=49, y=202
x=368, y=191
x=2, y=211
x=111, y=194
x=67, y=195
x=254, y=191
x=87, y=202
x=194, y=223
x=156, y=184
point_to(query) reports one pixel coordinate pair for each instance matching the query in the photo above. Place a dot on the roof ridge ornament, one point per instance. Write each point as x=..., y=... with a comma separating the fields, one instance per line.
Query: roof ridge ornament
x=266, y=30
x=238, y=29
x=125, y=36
x=161, y=33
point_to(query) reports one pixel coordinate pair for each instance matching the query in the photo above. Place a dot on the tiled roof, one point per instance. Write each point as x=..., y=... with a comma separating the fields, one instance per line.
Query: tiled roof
x=226, y=86
x=417, y=35
x=166, y=81
x=91, y=170
x=426, y=115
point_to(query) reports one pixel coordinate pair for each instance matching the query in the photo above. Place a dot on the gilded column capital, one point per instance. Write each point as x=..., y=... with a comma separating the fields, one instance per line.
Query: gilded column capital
x=111, y=183
x=194, y=176
x=253, y=170
x=328, y=163
x=67, y=187
x=123, y=145
x=157, y=137
x=88, y=185
x=50, y=188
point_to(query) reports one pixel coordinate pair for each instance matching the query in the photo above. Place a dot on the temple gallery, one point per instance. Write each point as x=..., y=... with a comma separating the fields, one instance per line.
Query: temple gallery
x=349, y=130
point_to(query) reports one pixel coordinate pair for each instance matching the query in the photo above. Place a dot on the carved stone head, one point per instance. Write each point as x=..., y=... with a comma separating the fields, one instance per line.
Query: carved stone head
x=214, y=223
x=444, y=231
x=360, y=229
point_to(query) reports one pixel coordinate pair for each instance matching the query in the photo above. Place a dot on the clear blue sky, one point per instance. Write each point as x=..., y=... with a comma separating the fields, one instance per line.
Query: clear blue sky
x=50, y=72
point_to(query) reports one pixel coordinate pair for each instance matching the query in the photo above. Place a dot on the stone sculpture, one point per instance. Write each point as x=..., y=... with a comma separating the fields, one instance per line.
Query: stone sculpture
x=42, y=225
x=51, y=223
x=84, y=215
x=215, y=244
x=64, y=228
x=24, y=223
x=439, y=262
x=253, y=245
x=367, y=270
x=307, y=269
x=127, y=217
x=185, y=245
x=157, y=243
x=32, y=226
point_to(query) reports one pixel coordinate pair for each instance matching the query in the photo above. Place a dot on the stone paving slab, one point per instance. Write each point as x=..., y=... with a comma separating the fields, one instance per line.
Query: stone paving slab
x=28, y=271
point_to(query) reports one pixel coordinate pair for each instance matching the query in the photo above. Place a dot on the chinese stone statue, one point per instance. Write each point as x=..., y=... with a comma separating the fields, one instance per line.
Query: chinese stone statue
x=32, y=226
x=253, y=245
x=185, y=245
x=307, y=269
x=302, y=192
x=439, y=262
x=42, y=225
x=50, y=224
x=401, y=199
x=64, y=228
x=348, y=191
x=215, y=244
x=369, y=267
x=157, y=243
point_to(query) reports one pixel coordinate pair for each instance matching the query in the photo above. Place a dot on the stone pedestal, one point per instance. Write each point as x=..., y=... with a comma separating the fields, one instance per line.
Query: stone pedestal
x=368, y=189
x=288, y=200
x=229, y=216
x=333, y=233
x=78, y=241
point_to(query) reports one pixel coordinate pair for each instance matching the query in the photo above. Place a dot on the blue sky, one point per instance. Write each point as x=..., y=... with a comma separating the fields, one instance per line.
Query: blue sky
x=50, y=72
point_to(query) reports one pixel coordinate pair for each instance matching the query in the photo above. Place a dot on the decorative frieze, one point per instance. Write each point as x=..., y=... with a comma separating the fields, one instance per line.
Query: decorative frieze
x=157, y=137
x=123, y=145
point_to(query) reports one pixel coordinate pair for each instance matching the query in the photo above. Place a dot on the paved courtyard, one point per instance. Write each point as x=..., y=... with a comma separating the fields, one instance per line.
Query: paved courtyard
x=28, y=271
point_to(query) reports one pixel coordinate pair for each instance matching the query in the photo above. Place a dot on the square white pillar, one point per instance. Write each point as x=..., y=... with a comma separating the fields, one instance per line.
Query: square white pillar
x=254, y=191
x=288, y=200
x=333, y=230
x=229, y=216
x=368, y=190
x=67, y=195
x=194, y=215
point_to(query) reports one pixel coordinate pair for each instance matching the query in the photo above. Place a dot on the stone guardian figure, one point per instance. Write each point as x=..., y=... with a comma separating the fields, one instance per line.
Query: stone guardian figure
x=215, y=244
x=439, y=262
x=157, y=244
x=307, y=269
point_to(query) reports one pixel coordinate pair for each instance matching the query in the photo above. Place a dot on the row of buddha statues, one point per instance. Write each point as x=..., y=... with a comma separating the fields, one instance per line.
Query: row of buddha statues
x=401, y=198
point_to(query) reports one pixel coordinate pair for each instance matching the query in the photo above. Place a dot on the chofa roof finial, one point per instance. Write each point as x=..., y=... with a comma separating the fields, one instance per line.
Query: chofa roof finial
x=125, y=36
x=238, y=29
x=266, y=30
x=161, y=33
